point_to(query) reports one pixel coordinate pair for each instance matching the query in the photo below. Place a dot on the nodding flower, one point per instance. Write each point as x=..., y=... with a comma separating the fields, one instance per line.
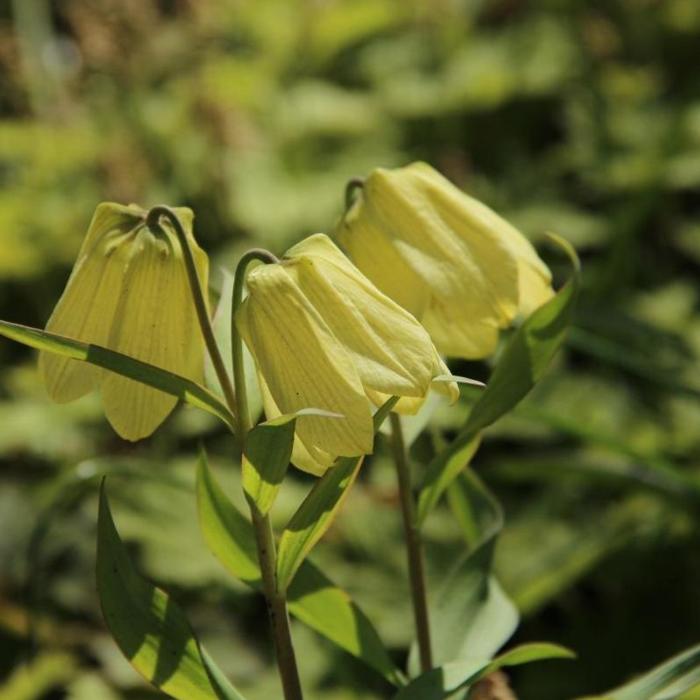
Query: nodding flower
x=323, y=336
x=455, y=264
x=128, y=292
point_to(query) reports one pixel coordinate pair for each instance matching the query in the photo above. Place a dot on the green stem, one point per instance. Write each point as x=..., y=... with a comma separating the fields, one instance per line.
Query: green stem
x=242, y=412
x=276, y=606
x=414, y=549
x=200, y=304
x=354, y=184
x=264, y=537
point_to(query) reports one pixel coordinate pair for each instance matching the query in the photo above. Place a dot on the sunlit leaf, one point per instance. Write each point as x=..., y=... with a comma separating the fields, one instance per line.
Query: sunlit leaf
x=523, y=362
x=267, y=454
x=312, y=597
x=441, y=682
x=314, y=517
x=155, y=377
x=667, y=681
x=150, y=629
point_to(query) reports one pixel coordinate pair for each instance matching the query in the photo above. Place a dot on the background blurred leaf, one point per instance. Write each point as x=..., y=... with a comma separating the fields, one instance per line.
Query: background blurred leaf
x=445, y=680
x=668, y=681
x=470, y=614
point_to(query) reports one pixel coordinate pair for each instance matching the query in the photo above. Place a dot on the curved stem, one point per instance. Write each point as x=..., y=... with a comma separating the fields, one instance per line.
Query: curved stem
x=264, y=536
x=414, y=549
x=153, y=221
x=354, y=184
x=241, y=412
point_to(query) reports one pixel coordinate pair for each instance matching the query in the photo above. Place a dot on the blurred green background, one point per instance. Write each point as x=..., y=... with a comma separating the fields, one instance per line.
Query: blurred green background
x=577, y=117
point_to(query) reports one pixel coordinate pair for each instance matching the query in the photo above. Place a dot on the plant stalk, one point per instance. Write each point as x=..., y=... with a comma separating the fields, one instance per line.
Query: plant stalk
x=277, y=611
x=200, y=304
x=414, y=548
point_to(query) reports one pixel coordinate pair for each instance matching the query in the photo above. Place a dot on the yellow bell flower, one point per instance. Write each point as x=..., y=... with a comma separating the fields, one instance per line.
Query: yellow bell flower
x=128, y=292
x=323, y=336
x=455, y=264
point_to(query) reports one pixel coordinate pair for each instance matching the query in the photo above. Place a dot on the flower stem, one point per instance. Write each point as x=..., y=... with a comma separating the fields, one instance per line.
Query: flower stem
x=414, y=549
x=354, y=184
x=264, y=536
x=200, y=304
x=241, y=412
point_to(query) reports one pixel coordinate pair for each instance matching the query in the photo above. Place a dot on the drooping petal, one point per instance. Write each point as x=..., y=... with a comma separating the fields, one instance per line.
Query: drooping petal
x=463, y=260
x=374, y=253
x=155, y=322
x=534, y=277
x=392, y=352
x=86, y=307
x=303, y=363
x=457, y=334
x=311, y=459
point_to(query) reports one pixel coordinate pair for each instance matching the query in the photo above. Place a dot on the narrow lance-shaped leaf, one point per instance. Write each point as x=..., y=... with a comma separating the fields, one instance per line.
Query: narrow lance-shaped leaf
x=445, y=680
x=312, y=597
x=522, y=364
x=116, y=362
x=470, y=614
x=670, y=680
x=318, y=510
x=150, y=629
x=314, y=517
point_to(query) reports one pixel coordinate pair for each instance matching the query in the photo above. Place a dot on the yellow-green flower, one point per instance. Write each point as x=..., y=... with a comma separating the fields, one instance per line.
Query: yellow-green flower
x=128, y=292
x=323, y=336
x=455, y=264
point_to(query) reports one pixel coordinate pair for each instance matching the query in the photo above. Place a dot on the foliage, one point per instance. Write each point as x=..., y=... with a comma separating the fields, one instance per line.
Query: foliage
x=563, y=116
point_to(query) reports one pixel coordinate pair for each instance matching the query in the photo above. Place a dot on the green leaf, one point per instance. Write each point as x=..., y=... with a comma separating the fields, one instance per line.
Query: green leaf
x=318, y=510
x=228, y=534
x=470, y=615
x=521, y=365
x=153, y=376
x=667, y=681
x=265, y=461
x=442, y=471
x=150, y=629
x=526, y=356
x=312, y=597
x=313, y=517
x=457, y=675
x=267, y=454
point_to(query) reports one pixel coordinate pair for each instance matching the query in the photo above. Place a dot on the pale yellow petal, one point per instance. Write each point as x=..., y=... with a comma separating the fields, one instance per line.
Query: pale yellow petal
x=86, y=307
x=392, y=352
x=463, y=261
x=455, y=334
x=373, y=252
x=535, y=287
x=303, y=364
x=534, y=277
x=154, y=322
x=405, y=406
x=311, y=459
